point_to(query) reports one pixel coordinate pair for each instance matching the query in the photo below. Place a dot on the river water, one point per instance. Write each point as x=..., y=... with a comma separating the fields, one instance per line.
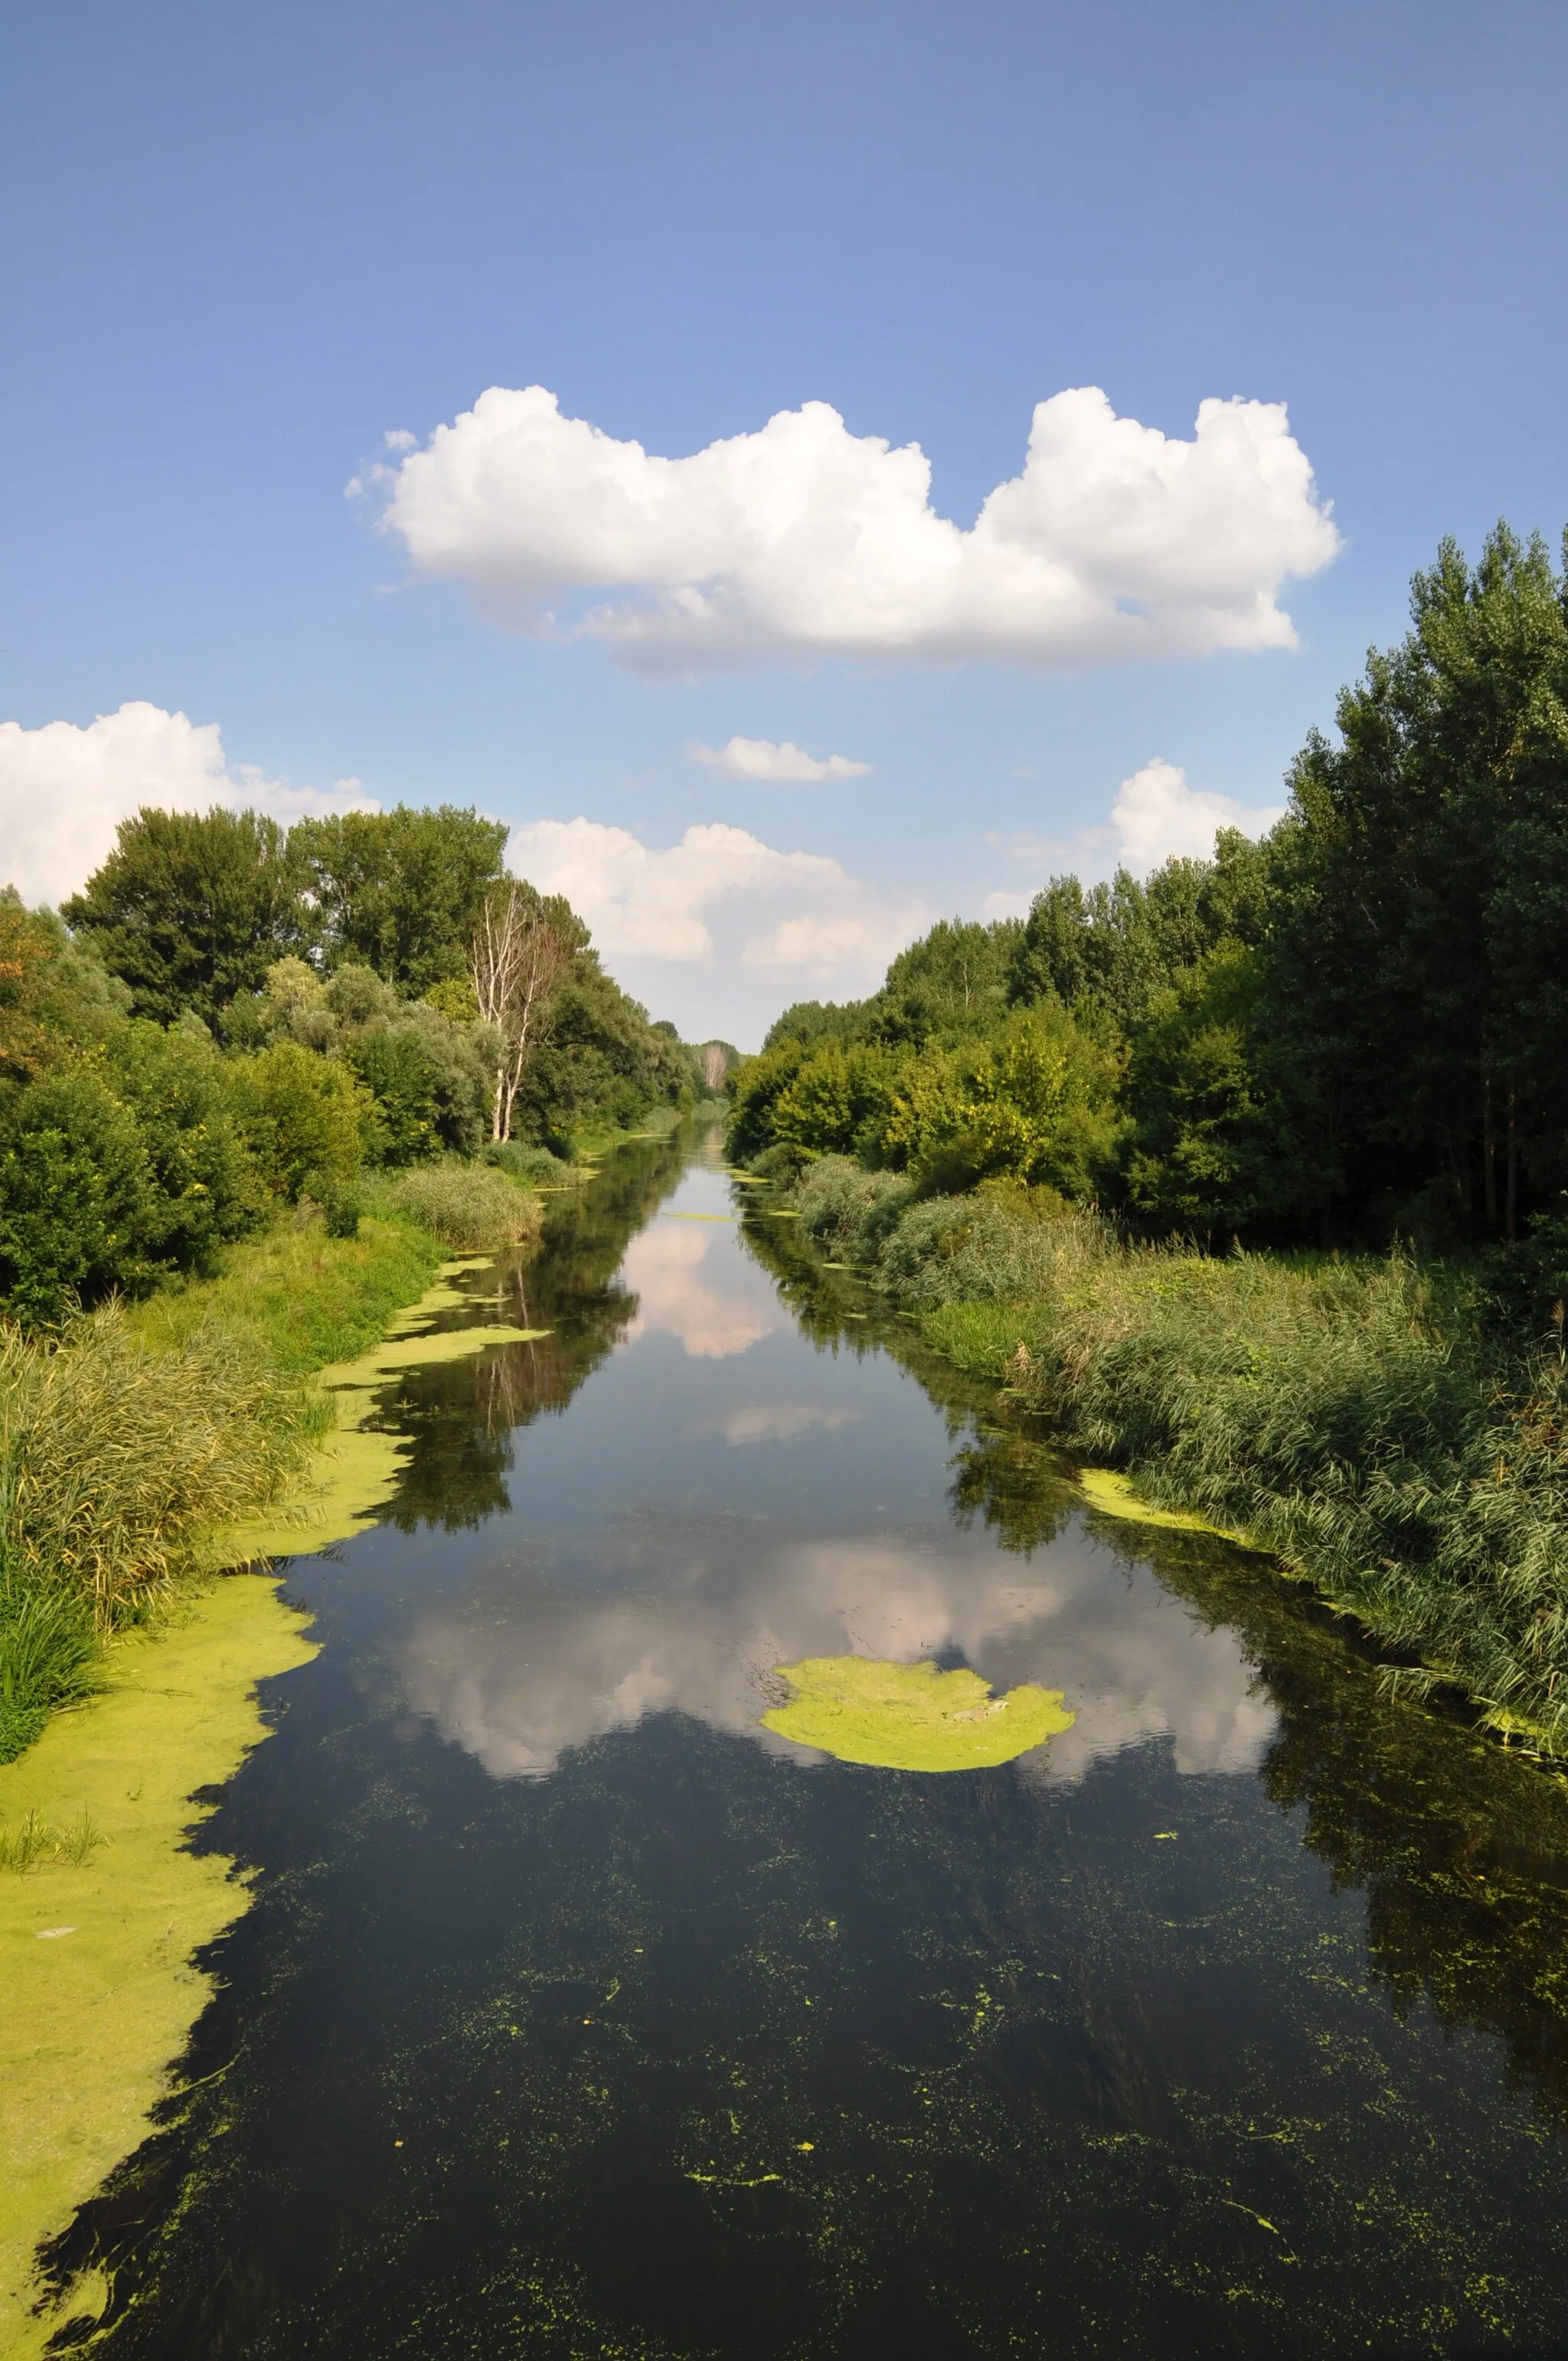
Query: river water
x=578, y=2015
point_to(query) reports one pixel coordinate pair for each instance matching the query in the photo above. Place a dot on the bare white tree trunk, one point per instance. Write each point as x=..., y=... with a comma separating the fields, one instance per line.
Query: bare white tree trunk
x=519, y=959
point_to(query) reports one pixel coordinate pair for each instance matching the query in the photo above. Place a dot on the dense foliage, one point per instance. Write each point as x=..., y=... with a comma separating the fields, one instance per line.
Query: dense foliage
x=228, y=1018
x=1347, y=1033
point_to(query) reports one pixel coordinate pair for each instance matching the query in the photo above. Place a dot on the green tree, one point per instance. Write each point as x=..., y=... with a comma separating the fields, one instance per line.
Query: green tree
x=191, y=909
x=822, y=1020
x=76, y=1193
x=952, y=981
x=403, y=891
x=1116, y=948
x=1213, y=1148
x=1036, y=1103
x=1420, y=935
x=303, y=1116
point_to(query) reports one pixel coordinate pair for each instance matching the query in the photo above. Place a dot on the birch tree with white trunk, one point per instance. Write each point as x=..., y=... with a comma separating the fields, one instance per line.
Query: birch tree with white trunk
x=521, y=954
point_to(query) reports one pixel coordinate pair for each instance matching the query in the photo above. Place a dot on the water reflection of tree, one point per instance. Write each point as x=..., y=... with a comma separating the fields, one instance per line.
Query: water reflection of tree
x=1460, y=1847
x=459, y=1417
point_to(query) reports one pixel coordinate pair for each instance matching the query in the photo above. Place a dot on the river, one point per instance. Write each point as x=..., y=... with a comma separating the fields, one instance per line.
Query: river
x=579, y=2016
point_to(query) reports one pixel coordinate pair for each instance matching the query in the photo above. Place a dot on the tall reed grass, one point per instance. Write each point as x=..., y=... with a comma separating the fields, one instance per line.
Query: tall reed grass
x=473, y=1207
x=1355, y=1417
x=116, y=1458
x=131, y=1436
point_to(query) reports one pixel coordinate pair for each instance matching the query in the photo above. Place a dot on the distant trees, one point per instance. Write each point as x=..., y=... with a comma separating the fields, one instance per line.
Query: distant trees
x=1353, y=1029
x=241, y=1017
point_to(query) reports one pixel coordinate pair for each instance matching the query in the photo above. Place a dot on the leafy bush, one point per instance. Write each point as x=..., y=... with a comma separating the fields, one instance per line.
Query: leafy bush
x=838, y=1100
x=1037, y=1102
x=470, y=1206
x=205, y=1187
x=300, y=1115
x=525, y=1164
x=991, y=1246
x=76, y=1193
x=844, y=1205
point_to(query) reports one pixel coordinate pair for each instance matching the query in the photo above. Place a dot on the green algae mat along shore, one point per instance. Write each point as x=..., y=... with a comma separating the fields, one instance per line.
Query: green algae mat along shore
x=97, y=1989
x=97, y=1992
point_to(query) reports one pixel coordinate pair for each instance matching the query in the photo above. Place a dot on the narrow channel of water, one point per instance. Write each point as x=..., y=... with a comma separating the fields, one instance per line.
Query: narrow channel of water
x=580, y=2016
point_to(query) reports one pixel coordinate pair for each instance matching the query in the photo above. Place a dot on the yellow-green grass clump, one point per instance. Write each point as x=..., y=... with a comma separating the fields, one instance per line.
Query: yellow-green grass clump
x=912, y=1717
x=97, y=1992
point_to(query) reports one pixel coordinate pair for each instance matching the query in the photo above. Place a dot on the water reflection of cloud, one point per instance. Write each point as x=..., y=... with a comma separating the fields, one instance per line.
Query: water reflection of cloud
x=780, y=1422
x=677, y=1297
x=549, y=1653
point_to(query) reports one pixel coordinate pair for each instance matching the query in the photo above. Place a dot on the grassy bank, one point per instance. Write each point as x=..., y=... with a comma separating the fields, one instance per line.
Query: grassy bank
x=134, y=1440
x=1354, y=1418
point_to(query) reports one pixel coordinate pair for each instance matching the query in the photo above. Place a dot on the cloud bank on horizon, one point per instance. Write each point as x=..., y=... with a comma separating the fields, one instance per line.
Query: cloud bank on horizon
x=64, y=790
x=718, y=895
x=668, y=919
x=1116, y=543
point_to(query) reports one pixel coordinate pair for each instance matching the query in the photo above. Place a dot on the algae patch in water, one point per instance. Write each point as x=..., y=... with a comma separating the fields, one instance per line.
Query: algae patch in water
x=97, y=1991
x=912, y=1717
x=355, y=1470
x=1113, y=1496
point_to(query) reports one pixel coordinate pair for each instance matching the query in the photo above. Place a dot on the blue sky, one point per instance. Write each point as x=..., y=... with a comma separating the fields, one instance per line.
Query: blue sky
x=245, y=242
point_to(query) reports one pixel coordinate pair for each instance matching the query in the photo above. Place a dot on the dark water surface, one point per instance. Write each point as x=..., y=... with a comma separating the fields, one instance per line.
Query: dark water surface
x=579, y=2016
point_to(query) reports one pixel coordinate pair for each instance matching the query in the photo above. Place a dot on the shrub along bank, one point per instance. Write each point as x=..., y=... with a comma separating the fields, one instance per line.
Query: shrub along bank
x=131, y=1436
x=1364, y=1420
x=1346, y=1035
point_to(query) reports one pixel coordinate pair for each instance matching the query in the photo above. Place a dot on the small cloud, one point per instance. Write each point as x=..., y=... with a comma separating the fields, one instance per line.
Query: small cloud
x=759, y=758
x=1157, y=816
x=397, y=438
x=355, y=489
x=781, y=1422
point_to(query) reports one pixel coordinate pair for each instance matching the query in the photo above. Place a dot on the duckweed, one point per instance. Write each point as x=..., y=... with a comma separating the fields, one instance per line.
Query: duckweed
x=912, y=1717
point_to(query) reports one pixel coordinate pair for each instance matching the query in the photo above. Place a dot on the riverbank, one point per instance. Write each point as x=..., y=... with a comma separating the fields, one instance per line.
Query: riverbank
x=98, y=1927
x=134, y=1441
x=1352, y=1418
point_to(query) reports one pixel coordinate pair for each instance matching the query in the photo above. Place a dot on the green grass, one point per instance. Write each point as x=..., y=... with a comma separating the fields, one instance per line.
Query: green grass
x=33, y=1840
x=132, y=1436
x=475, y=1208
x=1356, y=1418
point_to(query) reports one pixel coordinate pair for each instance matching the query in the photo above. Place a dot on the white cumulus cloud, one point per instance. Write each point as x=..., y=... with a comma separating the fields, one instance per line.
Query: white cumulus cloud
x=718, y=929
x=759, y=758
x=1157, y=816
x=1116, y=543
x=64, y=790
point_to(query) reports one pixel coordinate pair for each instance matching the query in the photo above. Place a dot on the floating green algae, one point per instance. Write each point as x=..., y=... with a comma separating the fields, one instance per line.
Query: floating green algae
x=1113, y=1496
x=355, y=1470
x=95, y=1958
x=912, y=1717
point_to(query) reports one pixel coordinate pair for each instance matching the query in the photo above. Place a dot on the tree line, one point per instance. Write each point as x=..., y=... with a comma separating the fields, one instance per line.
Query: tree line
x=231, y=1016
x=1351, y=1031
